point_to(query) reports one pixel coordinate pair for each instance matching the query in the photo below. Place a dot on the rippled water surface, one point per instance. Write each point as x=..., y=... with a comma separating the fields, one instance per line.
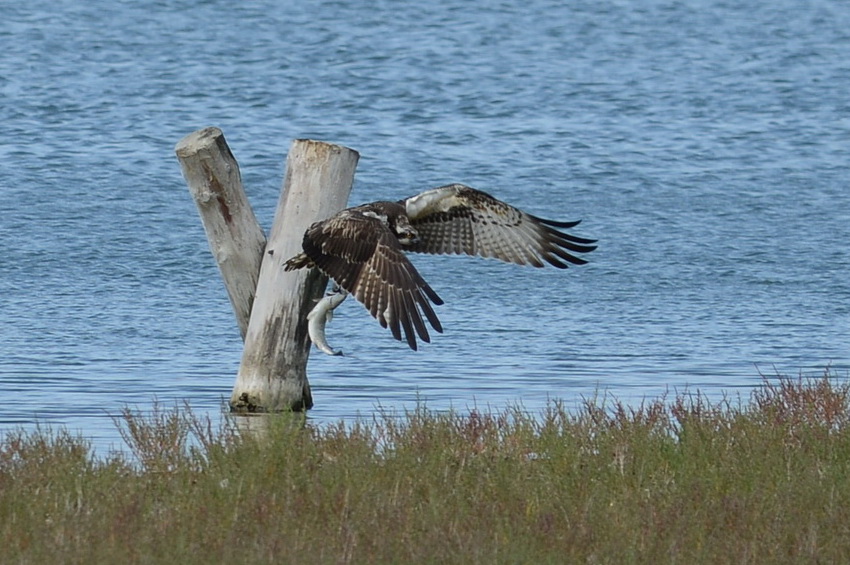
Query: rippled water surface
x=704, y=144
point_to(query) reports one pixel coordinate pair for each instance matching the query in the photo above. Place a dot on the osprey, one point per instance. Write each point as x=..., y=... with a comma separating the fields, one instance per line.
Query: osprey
x=363, y=249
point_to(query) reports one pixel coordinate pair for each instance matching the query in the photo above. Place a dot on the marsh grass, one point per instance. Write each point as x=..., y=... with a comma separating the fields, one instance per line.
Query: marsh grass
x=679, y=481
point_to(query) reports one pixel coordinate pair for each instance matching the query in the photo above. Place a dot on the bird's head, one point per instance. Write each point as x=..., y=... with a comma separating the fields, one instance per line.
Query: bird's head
x=406, y=234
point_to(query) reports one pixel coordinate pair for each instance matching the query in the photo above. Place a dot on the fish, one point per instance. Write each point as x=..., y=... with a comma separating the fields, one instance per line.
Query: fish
x=319, y=316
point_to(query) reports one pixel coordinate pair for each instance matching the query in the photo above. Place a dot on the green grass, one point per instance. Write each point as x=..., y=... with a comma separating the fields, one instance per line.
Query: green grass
x=685, y=480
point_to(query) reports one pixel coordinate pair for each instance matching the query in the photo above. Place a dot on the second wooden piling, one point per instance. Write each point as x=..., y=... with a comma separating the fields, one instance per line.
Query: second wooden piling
x=273, y=371
x=235, y=237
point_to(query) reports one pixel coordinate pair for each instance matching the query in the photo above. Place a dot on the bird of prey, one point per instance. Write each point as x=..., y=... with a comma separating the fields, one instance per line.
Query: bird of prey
x=363, y=249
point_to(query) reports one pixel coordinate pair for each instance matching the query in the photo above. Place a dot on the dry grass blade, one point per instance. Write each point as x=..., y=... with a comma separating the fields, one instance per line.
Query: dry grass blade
x=820, y=402
x=158, y=439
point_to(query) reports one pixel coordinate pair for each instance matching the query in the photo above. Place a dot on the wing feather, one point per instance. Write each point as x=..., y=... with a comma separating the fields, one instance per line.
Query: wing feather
x=457, y=219
x=391, y=315
x=364, y=258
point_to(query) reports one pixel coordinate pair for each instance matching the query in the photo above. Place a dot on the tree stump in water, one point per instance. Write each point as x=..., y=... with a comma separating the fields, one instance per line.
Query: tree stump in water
x=273, y=372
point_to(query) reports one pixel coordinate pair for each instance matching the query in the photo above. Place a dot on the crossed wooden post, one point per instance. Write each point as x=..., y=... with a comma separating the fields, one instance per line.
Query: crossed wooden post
x=270, y=304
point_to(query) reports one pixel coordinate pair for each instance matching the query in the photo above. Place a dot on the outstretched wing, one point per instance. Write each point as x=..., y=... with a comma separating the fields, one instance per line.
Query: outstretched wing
x=361, y=254
x=460, y=219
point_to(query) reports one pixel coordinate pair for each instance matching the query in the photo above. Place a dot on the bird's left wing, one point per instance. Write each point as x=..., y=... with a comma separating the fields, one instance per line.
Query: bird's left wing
x=361, y=254
x=462, y=220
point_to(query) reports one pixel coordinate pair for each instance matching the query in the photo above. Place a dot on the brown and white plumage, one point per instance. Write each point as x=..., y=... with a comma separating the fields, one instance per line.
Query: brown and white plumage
x=459, y=219
x=362, y=249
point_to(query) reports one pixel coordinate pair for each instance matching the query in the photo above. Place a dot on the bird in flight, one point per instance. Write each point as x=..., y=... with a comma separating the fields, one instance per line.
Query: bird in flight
x=363, y=249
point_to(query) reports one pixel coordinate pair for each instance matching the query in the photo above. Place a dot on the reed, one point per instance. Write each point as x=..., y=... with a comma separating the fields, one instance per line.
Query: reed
x=758, y=480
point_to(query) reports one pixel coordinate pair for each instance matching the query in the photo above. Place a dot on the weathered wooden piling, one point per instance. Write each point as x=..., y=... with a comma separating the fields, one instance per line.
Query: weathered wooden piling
x=235, y=237
x=273, y=372
x=270, y=304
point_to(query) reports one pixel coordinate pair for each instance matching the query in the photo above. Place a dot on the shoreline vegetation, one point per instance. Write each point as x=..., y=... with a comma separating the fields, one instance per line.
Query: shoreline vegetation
x=681, y=480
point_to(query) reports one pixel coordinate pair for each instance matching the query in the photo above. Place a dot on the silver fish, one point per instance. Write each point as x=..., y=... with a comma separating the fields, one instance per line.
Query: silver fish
x=321, y=314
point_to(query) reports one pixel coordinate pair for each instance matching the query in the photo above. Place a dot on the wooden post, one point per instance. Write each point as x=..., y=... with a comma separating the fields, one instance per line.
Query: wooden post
x=273, y=373
x=235, y=237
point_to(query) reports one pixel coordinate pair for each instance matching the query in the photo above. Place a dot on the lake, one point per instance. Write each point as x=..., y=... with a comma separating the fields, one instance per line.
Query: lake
x=704, y=144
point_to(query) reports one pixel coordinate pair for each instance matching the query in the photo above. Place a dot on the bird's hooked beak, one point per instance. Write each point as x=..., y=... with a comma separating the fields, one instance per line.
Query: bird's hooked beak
x=408, y=236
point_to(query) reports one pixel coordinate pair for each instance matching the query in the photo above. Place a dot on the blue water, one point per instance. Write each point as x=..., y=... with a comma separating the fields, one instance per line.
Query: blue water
x=705, y=144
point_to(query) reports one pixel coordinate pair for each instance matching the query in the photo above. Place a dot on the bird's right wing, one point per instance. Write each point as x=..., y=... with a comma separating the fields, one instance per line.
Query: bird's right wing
x=460, y=219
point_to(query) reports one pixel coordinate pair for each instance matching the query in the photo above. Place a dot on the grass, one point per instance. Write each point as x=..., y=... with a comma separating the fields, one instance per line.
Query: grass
x=765, y=480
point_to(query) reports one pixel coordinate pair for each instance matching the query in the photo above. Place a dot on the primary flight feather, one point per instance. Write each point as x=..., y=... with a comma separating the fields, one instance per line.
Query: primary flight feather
x=363, y=249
